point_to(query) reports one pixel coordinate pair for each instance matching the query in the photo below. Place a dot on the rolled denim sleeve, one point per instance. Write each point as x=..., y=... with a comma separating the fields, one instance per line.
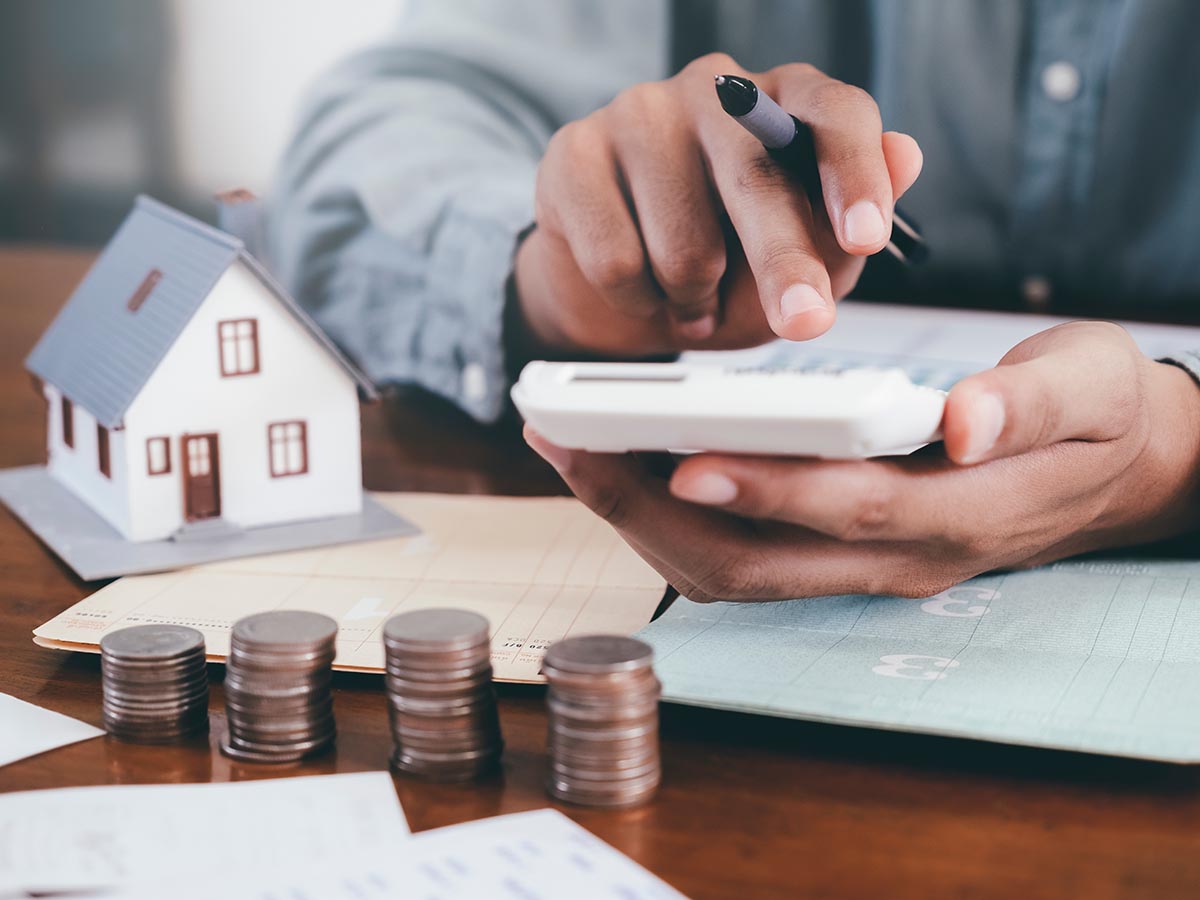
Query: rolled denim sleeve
x=399, y=203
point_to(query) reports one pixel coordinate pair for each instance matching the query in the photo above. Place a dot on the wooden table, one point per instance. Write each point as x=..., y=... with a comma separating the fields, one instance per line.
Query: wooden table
x=750, y=807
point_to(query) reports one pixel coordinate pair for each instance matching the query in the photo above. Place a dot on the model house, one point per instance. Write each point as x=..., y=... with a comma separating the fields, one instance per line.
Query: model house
x=189, y=394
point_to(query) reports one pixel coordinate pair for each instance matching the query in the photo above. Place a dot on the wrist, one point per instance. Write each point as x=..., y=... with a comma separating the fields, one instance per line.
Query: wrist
x=1170, y=464
x=532, y=299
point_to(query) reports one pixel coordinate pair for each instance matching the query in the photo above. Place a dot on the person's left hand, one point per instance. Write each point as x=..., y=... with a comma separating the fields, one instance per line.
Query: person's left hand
x=1074, y=442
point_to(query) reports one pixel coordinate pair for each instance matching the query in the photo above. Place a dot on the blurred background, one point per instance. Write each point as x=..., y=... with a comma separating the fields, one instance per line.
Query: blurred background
x=102, y=99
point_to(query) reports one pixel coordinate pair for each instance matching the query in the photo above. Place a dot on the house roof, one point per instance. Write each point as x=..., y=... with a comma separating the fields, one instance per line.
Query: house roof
x=100, y=355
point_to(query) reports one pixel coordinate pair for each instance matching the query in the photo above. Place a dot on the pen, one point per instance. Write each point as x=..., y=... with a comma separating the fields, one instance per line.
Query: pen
x=789, y=141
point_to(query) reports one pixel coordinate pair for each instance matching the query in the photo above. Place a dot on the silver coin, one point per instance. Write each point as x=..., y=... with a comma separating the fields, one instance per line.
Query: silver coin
x=151, y=642
x=605, y=683
x=477, y=669
x=599, y=653
x=250, y=753
x=585, y=775
x=170, y=682
x=622, y=795
x=280, y=665
x=284, y=628
x=632, y=731
x=613, y=715
x=436, y=629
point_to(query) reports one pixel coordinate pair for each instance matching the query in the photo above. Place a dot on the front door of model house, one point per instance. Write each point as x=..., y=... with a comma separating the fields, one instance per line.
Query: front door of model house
x=201, y=477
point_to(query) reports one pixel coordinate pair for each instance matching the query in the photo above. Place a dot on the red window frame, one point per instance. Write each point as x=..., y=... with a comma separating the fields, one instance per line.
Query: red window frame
x=67, y=408
x=153, y=277
x=233, y=337
x=165, y=443
x=103, y=451
x=281, y=436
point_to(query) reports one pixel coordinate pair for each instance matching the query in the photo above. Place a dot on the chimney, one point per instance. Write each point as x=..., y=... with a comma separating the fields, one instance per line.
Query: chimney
x=239, y=213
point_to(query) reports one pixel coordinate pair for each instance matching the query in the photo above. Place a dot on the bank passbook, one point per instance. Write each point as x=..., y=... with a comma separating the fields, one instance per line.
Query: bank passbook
x=682, y=407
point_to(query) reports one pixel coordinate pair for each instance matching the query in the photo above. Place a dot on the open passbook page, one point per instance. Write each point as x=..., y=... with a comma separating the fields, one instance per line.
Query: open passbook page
x=1099, y=656
x=539, y=569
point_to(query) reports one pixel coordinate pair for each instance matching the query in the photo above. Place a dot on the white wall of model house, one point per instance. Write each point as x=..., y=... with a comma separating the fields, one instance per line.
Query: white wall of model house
x=297, y=380
x=78, y=466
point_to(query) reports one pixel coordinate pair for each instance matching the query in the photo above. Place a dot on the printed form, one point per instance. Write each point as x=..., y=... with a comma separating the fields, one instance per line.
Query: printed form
x=86, y=839
x=538, y=855
x=539, y=569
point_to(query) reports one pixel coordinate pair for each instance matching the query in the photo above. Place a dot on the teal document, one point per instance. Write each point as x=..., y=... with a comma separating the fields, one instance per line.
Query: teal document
x=1094, y=656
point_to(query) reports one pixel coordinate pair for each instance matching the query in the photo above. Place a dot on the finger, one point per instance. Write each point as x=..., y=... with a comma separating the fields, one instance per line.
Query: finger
x=580, y=199
x=619, y=490
x=774, y=223
x=847, y=138
x=857, y=500
x=1074, y=382
x=709, y=555
x=675, y=208
x=904, y=161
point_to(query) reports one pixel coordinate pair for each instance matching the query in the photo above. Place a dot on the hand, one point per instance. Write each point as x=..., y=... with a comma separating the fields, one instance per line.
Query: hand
x=1074, y=442
x=663, y=225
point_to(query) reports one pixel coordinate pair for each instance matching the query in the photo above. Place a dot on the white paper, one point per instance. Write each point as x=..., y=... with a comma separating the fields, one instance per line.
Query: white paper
x=97, y=837
x=536, y=855
x=27, y=730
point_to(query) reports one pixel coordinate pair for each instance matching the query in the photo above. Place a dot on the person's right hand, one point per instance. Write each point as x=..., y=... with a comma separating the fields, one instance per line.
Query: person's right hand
x=662, y=225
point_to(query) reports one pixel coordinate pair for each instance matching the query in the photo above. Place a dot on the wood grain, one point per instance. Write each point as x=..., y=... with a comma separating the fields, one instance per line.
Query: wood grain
x=751, y=807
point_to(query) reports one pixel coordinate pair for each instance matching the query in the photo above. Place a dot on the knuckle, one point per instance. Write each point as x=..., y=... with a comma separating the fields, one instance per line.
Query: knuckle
x=784, y=254
x=762, y=175
x=711, y=64
x=641, y=101
x=836, y=99
x=868, y=515
x=741, y=577
x=690, y=271
x=610, y=505
x=566, y=144
x=796, y=71
x=613, y=272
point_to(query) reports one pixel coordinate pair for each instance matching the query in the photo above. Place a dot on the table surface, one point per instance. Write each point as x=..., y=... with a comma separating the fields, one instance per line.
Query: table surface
x=750, y=807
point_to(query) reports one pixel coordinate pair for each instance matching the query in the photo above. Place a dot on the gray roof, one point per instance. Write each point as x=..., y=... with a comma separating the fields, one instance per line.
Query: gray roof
x=100, y=355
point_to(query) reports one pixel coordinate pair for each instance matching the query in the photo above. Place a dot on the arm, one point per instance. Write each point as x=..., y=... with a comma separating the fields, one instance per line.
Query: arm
x=400, y=201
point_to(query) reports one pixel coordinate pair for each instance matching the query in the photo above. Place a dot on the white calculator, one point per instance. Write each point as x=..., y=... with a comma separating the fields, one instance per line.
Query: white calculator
x=688, y=407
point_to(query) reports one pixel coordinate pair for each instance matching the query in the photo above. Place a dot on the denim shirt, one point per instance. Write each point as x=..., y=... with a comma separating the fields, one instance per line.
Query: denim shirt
x=1061, y=142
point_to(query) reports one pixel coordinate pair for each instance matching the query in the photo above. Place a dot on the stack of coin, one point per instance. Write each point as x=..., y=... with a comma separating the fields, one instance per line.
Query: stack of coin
x=603, y=721
x=155, y=683
x=441, y=702
x=278, y=687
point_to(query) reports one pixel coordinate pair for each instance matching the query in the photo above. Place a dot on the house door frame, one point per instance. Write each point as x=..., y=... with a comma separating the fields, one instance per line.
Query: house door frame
x=201, y=491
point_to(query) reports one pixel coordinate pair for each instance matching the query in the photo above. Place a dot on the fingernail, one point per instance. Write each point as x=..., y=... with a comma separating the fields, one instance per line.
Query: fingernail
x=558, y=457
x=800, y=299
x=985, y=422
x=711, y=488
x=863, y=225
x=698, y=329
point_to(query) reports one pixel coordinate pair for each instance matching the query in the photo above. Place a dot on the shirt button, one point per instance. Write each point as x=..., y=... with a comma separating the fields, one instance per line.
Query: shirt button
x=474, y=382
x=1061, y=81
x=1037, y=292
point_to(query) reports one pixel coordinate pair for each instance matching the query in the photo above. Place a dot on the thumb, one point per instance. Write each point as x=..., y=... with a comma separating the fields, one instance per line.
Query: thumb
x=1068, y=383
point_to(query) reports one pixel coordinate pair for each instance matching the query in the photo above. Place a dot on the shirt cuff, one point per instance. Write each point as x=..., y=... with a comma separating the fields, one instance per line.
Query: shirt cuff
x=434, y=319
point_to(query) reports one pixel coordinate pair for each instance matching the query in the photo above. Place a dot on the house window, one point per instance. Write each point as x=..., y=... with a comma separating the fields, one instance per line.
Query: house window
x=239, y=346
x=144, y=289
x=102, y=451
x=68, y=422
x=287, y=447
x=158, y=456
